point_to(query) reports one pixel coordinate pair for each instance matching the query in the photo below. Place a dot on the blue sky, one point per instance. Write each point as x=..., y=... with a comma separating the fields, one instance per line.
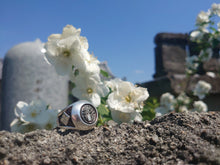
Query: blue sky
x=120, y=32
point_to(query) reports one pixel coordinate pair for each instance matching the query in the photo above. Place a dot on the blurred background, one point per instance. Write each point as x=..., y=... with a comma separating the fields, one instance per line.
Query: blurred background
x=120, y=32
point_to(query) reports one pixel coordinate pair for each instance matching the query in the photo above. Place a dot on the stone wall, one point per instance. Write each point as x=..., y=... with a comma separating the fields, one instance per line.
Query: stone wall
x=170, y=53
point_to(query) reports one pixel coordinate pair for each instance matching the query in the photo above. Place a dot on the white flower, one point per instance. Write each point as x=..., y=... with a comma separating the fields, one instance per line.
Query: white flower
x=191, y=60
x=204, y=29
x=215, y=9
x=196, y=35
x=125, y=99
x=205, y=55
x=161, y=111
x=202, y=17
x=90, y=66
x=218, y=25
x=183, y=109
x=84, y=42
x=167, y=101
x=31, y=113
x=20, y=108
x=211, y=74
x=35, y=115
x=52, y=119
x=22, y=127
x=113, y=83
x=66, y=50
x=200, y=106
x=191, y=64
x=15, y=125
x=201, y=89
x=183, y=99
x=215, y=35
x=189, y=71
x=90, y=87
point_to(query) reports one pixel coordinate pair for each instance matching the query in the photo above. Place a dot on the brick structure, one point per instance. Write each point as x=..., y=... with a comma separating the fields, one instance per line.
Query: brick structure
x=170, y=53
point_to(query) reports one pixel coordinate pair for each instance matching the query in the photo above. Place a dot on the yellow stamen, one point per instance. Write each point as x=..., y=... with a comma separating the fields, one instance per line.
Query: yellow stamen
x=33, y=114
x=128, y=98
x=89, y=90
x=66, y=53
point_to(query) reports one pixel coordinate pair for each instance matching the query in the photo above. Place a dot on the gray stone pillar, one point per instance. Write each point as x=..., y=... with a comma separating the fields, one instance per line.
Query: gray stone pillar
x=1, y=66
x=170, y=53
x=26, y=77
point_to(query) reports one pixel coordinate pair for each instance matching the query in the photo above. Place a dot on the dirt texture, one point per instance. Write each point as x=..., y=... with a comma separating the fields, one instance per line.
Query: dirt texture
x=175, y=138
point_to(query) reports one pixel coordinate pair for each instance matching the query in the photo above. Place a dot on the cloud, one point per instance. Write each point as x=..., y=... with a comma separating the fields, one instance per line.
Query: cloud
x=138, y=71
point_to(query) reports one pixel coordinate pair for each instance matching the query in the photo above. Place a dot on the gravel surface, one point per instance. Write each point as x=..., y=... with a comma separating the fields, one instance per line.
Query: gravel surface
x=175, y=138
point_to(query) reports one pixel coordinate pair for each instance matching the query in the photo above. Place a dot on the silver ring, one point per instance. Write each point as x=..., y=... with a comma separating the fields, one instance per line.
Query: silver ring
x=81, y=115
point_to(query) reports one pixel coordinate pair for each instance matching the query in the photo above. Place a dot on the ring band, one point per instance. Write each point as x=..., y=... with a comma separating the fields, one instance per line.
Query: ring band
x=81, y=115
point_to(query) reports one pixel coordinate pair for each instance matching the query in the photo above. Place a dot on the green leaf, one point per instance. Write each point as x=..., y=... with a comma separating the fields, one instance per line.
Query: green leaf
x=76, y=73
x=104, y=73
x=104, y=115
x=103, y=99
x=150, y=105
x=72, y=85
x=102, y=110
x=148, y=114
x=48, y=106
x=100, y=120
x=213, y=29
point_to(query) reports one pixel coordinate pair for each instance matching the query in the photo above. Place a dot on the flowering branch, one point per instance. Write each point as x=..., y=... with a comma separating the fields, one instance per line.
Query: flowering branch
x=207, y=37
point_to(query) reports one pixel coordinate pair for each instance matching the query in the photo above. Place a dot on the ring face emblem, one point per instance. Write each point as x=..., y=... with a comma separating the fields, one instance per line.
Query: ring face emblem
x=88, y=114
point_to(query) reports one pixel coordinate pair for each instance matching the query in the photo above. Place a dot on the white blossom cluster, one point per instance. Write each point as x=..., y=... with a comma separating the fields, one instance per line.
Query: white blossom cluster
x=68, y=53
x=36, y=115
x=207, y=32
x=201, y=89
x=167, y=103
x=207, y=36
x=182, y=103
x=205, y=54
x=215, y=9
x=200, y=106
x=192, y=64
x=204, y=19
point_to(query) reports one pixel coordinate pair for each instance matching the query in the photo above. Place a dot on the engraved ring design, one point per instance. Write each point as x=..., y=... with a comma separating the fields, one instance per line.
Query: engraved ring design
x=81, y=115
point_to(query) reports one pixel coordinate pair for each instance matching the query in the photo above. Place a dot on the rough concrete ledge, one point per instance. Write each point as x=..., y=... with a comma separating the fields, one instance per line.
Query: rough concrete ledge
x=171, y=38
x=175, y=138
